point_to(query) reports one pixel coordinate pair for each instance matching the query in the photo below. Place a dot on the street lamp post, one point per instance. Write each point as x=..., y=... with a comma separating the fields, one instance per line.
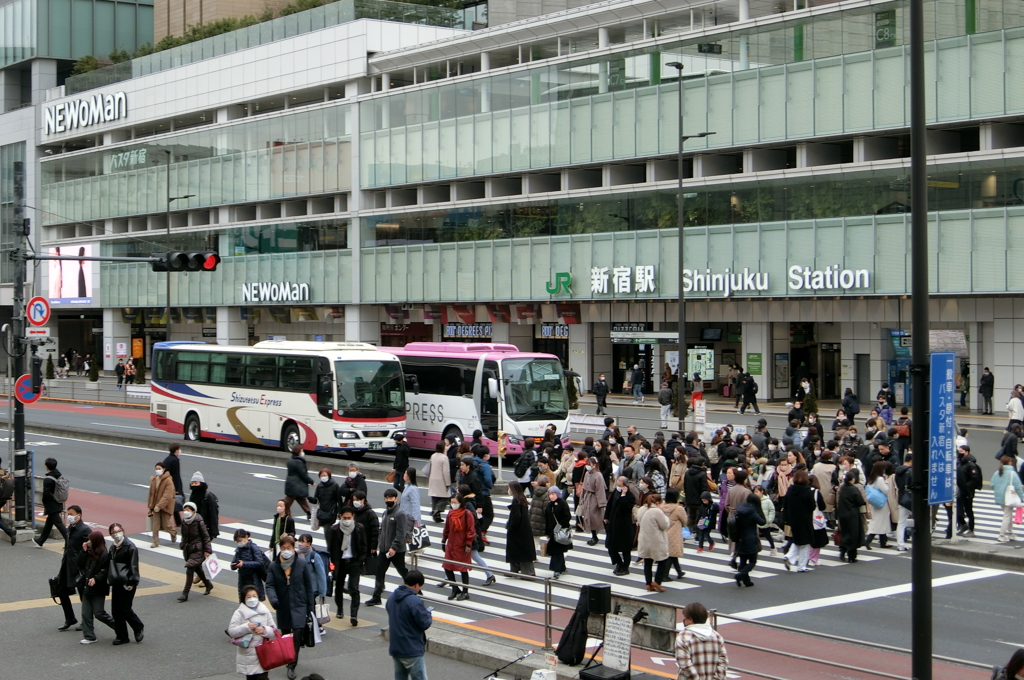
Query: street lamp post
x=170, y=199
x=682, y=371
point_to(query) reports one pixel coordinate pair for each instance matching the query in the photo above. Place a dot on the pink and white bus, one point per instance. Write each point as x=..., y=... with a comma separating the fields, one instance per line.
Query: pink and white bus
x=464, y=387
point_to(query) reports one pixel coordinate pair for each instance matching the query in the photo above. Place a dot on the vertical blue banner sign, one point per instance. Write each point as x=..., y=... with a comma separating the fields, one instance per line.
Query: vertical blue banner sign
x=941, y=435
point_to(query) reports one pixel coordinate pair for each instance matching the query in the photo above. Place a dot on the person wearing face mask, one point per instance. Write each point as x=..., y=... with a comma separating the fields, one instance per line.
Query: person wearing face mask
x=195, y=547
x=123, y=577
x=814, y=426
x=254, y=621
x=457, y=544
x=298, y=481
x=593, y=500
x=349, y=550
x=94, y=566
x=290, y=590
x=391, y=545
x=620, y=529
x=520, y=552
x=328, y=501
x=207, y=504
x=70, y=571
x=601, y=390
x=367, y=517
x=284, y=523
x=161, y=505
x=410, y=499
x=250, y=563
x=319, y=564
x=354, y=481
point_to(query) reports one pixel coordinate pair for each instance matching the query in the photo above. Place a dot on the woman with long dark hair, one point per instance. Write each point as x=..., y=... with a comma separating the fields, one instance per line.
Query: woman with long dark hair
x=879, y=524
x=851, y=527
x=93, y=565
x=800, y=504
x=123, y=577
x=1012, y=670
x=520, y=552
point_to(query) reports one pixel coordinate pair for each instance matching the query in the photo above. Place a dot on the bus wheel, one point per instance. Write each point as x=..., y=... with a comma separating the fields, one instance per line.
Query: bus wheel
x=453, y=431
x=289, y=437
x=193, y=432
x=356, y=455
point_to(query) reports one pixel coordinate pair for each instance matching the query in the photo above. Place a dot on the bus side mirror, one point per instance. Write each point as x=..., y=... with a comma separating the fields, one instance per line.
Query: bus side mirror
x=412, y=382
x=492, y=387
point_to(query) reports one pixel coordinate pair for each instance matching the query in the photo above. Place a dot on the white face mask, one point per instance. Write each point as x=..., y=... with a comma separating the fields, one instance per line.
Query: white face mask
x=357, y=504
x=643, y=487
x=287, y=554
x=72, y=519
x=456, y=506
x=158, y=472
x=589, y=468
x=241, y=544
x=118, y=537
x=325, y=479
x=353, y=473
x=348, y=523
x=188, y=513
x=252, y=602
x=772, y=447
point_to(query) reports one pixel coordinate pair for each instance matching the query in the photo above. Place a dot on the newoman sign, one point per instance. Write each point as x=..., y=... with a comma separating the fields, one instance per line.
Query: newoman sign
x=81, y=113
x=261, y=291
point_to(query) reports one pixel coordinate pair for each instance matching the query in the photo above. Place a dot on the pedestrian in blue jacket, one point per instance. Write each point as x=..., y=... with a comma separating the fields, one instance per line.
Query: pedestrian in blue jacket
x=408, y=620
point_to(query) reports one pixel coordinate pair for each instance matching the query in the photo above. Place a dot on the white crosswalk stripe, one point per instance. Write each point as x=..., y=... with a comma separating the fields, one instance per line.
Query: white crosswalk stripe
x=586, y=564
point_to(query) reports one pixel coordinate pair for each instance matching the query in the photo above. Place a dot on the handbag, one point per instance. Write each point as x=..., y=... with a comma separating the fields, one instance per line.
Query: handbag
x=211, y=567
x=390, y=477
x=712, y=487
x=703, y=522
x=322, y=611
x=426, y=471
x=562, y=535
x=687, y=533
x=819, y=520
x=311, y=633
x=875, y=497
x=420, y=538
x=276, y=652
x=179, y=502
x=1010, y=498
x=837, y=537
x=55, y=587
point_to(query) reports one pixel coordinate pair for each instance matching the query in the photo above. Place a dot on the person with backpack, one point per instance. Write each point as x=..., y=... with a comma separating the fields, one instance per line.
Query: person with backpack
x=851, y=404
x=251, y=564
x=55, y=495
x=527, y=459
x=968, y=482
x=748, y=387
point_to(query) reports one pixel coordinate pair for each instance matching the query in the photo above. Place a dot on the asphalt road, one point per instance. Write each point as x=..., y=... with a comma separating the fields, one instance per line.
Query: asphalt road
x=976, y=611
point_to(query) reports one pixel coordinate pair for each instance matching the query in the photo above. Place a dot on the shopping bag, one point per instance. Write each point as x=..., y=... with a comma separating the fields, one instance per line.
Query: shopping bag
x=276, y=652
x=211, y=567
x=314, y=523
x=687, y=533
x=1018, y=516
x=1010, y=498
x=420, y=538
x=322, y=612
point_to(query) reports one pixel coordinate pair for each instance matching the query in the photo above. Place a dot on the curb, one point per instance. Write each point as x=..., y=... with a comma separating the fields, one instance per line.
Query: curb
x=466, y=644
x=985, y=556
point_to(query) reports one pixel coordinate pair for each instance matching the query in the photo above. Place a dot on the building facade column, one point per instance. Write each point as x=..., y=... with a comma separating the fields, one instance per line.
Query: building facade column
x=231, y=328
x=362, y=324
x=757, y=341
x=115, y=330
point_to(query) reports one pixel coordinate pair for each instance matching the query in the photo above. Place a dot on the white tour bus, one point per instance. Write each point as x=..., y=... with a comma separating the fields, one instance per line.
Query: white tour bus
x=461, y=387
x=328, y=396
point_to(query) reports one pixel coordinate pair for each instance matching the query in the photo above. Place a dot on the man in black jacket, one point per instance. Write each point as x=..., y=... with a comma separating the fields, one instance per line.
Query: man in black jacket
x=51, y=506
x=401, y=461
x=619, y=527
x=349, y=550
x=391, y=545
x=695, y=482
x=601, y=390
x=77, y=534
x=173, y=467
x=968, y=481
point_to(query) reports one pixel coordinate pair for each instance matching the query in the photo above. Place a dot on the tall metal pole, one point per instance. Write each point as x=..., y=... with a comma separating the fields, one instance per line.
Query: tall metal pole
x=167, y=307
x=23, y=503
x=921, y=563
x=683, y=369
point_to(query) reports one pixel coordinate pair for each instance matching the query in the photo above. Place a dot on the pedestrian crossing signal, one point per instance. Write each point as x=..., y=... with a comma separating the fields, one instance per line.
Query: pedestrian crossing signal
x=179, y=261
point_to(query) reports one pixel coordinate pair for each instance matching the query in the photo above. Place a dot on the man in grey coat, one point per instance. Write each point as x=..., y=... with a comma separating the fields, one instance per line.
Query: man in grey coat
x=391, y=545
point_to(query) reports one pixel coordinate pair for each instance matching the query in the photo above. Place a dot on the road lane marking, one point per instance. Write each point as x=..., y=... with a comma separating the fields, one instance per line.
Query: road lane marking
x=126, y=427
x=862, y=596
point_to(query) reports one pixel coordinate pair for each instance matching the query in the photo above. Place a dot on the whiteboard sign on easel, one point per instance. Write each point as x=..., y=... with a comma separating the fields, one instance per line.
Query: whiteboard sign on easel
x=618, y=641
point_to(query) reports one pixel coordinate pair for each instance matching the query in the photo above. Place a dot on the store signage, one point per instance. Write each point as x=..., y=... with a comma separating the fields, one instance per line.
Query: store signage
x=640, y=327
x=125, y=160
x=645, y=338
x=830, y=278
x=563, y=281
x=82, y=113
x=209, y=332
x=461, y=331
x=941, y=455
x=638, y=279
x=554, y=330
x=262, y=291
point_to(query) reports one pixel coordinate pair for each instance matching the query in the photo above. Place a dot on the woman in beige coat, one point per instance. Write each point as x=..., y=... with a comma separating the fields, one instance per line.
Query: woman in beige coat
x=439, y=481
x=593, y=500
x=652, y=541
x=676, y=514
x=161, y=504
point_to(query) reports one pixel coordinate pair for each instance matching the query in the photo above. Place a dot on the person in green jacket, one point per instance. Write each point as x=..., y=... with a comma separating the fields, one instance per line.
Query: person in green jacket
x=768, y=510
x=1005, y=478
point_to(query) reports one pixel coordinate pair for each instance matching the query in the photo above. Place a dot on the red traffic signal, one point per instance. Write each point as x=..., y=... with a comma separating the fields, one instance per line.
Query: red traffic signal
x=177, y=261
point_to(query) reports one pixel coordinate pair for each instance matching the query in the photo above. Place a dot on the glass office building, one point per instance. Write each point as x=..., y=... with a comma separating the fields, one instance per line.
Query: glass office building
x=518, y=184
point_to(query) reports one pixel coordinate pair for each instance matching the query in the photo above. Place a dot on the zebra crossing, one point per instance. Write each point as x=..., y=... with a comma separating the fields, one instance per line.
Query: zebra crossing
x=585, y=563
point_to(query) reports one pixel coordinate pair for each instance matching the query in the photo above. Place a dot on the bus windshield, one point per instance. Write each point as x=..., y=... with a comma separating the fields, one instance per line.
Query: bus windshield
x=534, y=389
x=370, y=389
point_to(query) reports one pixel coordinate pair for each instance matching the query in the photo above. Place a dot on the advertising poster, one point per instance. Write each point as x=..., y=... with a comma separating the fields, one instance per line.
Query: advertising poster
x=70, y=281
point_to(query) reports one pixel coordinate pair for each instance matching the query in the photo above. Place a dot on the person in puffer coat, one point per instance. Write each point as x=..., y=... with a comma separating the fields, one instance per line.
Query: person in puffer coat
x=251, y=565
x=254, y=621
x=195, y=547
x=538, y=508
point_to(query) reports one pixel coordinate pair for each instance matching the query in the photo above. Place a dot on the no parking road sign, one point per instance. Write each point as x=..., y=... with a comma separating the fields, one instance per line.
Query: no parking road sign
x=23, y=390
x=38, y=311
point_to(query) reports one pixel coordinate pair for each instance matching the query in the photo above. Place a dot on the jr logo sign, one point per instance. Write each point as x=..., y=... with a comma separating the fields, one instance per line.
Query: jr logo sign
x=561, y=284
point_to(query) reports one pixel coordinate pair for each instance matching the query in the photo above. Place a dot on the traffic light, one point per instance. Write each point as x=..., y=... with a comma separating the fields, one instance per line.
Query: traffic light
x=502, y=443
x=37, y=373
x=178, y=261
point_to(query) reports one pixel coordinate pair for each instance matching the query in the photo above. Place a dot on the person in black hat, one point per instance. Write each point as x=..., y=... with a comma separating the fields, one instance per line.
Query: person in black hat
x=401, y=461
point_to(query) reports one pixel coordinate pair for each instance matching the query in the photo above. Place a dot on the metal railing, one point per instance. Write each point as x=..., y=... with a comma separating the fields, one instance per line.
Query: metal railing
x=716, y=615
